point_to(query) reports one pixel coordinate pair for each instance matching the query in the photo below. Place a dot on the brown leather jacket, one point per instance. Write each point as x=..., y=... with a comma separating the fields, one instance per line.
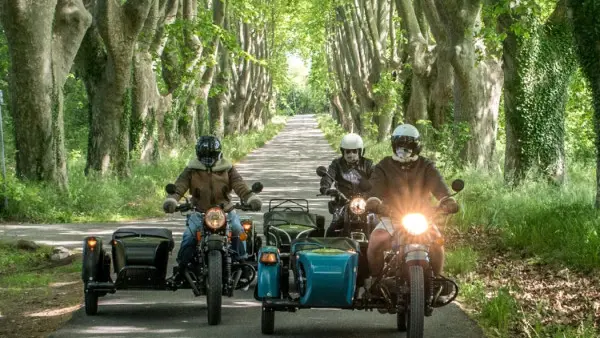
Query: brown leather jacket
x=407, y=187
x=210, y=187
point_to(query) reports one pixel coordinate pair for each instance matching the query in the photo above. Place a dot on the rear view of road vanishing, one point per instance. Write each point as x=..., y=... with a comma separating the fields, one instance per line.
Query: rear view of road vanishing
x=286, y=166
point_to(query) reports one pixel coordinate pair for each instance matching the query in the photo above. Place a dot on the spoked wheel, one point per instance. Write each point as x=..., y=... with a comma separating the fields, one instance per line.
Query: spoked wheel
x=91, y=302
x=267, y=325
x=416, y=313
x=215, y=287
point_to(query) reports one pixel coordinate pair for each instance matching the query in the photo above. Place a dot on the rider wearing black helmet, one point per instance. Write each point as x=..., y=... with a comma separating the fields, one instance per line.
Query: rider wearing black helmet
x=210, y=178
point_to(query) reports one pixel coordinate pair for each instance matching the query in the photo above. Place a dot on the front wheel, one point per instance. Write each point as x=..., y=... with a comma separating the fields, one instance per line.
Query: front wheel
x=91, y=302
x=267, y=325
x=214, y=288
x=416, y=311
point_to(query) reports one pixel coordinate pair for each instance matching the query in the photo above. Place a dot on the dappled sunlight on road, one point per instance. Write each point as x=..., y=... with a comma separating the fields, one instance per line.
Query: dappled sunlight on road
x=54, y=312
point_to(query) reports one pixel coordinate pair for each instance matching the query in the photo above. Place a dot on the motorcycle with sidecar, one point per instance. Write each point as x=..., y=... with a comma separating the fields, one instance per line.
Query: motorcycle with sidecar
x=140, y=257
x=357, y=222
x=325, y=276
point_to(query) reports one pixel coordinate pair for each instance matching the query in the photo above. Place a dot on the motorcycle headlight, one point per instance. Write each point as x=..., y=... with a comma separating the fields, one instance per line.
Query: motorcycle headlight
x=358, y=205
x=415, y=224
x=247, y=225
x=214, y=218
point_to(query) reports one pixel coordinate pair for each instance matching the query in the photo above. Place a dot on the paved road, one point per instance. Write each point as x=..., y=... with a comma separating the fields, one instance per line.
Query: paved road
x=286, y=166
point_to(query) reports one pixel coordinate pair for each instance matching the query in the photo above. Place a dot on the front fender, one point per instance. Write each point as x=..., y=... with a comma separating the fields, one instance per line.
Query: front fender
x=267, y=281
x=92, y=259
x=215, y=242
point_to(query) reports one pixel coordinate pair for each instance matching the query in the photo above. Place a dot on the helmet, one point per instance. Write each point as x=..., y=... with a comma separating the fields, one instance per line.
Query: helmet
x=356, y=149
x=352, y=141
x=408, y=137
x=208, y=150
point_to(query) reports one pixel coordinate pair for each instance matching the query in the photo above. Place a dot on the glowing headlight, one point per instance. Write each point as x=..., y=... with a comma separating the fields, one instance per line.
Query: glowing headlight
x=247, y=225
x=358, y=205
x=415, y=224
x=214, y=218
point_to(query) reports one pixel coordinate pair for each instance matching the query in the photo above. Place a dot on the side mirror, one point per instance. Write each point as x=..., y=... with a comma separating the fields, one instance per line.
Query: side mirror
x=171, y=188
x=257, y=187
x=364, y=185
x=321, y=171
x=458, y=185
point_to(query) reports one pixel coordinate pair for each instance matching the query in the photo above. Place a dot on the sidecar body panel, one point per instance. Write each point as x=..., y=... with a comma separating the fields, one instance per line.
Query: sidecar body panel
x=140, y=256
x=325, y=270
x=269, y=275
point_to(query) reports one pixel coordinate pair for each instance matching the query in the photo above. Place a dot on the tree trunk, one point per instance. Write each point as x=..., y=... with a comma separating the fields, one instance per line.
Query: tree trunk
x=119, y=27
x=43, y=38
x=477, y=83
x=586, y=27
x=537, y=74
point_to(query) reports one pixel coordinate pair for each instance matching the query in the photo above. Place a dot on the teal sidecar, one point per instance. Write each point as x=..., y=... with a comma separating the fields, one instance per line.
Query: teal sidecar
x=325, y=272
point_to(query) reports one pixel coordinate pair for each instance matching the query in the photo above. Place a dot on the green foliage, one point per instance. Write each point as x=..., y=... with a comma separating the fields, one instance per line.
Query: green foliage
x=579, y=125
x=499, y=312
x=93, y=198
x=545, y=61
x=461, y=261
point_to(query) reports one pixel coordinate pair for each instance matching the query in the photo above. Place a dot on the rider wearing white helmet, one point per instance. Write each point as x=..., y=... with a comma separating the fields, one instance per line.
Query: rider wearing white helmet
x=348, y=170
x=400, y=184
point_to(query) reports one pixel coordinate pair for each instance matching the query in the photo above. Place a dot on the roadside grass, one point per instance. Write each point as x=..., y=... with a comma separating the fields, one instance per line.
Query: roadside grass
x=538, y=222
x=111, y=199
x=36, y=294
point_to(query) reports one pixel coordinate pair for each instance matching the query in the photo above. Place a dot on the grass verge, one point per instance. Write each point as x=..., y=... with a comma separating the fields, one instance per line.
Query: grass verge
x=36, y=295
x=110, y=199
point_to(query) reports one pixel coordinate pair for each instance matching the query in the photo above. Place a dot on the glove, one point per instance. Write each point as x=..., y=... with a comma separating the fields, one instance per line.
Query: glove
x=255, y=203
x=323, y=190
x=170, y=205
x=375, y=205
x=449, y=206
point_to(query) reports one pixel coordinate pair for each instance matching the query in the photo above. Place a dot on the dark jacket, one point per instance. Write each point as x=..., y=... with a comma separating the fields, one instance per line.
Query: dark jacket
x=347, y=177
x=407, y=187
x=211, y=187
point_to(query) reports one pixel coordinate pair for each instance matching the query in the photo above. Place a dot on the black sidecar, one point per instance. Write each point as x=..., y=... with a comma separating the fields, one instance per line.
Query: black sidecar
x=140, y=255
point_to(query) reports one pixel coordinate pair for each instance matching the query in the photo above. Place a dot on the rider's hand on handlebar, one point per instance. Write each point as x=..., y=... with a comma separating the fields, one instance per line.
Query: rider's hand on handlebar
x=255, y=203
x=323, y=190
x=170, y=205
x=449, y=206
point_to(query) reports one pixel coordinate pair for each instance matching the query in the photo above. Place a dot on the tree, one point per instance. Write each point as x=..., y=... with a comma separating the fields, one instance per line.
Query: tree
x=43, y=39
x=538, y=66
x=586, y=25
x=106, y=66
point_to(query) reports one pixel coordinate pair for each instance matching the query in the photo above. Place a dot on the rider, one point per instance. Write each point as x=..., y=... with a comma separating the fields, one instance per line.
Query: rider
x=347, y=170
x=404, y=182
x=210, y=178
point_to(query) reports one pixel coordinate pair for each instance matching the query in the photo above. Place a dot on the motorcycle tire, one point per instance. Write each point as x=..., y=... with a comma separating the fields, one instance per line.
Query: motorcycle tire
x=214, y=287
x=416, y=311
x=91, y=303
x=267, y=324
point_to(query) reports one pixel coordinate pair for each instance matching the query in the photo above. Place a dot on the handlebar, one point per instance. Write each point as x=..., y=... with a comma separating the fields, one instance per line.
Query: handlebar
x=187, y=206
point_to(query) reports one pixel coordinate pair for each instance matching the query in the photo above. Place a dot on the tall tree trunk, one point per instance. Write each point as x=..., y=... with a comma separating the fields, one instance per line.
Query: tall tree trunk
x=537, y=72
x=477, y=83
x=586, y=26
x=146, y=98
x=216, y=102
x=119, y=26
x=43, y=38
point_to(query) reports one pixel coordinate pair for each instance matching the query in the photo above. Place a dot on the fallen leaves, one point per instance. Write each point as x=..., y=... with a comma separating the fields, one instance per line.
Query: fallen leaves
x=547, y=295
